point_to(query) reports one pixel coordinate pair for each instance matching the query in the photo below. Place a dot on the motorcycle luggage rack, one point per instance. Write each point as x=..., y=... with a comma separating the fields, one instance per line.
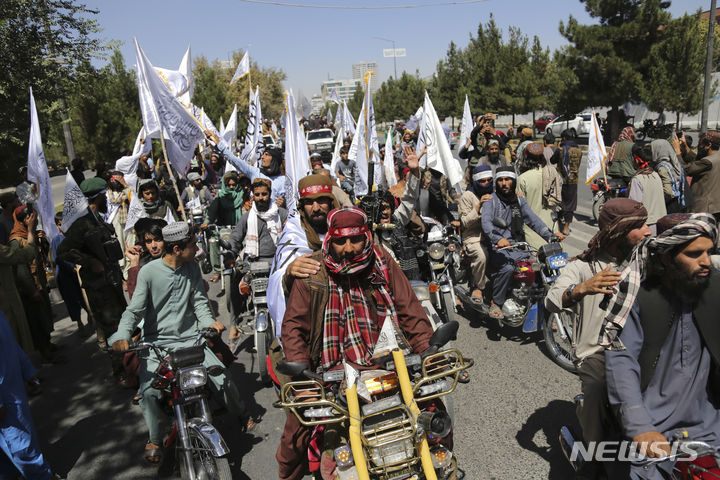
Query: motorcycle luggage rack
x=448, y=363
x=387, y=432
x=259, y=284
x=260, y=267
x=306, y=394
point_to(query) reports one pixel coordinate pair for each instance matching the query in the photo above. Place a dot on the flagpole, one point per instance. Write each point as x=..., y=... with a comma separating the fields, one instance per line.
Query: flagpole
x=172, y=176
x=368, y=136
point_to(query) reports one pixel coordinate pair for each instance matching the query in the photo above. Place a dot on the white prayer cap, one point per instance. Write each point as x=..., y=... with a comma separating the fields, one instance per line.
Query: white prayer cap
x=176, y=232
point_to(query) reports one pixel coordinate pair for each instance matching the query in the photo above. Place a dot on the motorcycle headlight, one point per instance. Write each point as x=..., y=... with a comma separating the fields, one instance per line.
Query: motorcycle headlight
x=192, y=377
x=225, y=234
x=558, y=261
x=436, y=251
x=392, y=453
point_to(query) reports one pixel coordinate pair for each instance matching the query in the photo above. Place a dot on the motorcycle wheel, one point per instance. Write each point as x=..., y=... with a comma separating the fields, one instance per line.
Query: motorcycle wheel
x=597, y=206
x=640, y=135
x=559, y=349
x=205, y=465
x=448, y=306
x=227, y=283
x=263, y=340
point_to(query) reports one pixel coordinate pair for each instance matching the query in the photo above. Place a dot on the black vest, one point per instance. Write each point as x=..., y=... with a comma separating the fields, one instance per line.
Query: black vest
x=656, y=317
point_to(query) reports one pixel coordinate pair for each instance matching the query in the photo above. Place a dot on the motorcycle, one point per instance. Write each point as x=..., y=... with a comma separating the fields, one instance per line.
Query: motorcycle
x=524, y=305
x=195, y=216
x=444, y=267
x=651, y=130
x=602, y=192
x=253, y=282
x=201, y=452
x=219, y=236
x=375, y=415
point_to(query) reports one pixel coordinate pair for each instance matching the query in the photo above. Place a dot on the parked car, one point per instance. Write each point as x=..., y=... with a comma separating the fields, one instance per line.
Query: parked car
x=321, y=141
x=454, y=137
x=578, y=124
x=542, y=122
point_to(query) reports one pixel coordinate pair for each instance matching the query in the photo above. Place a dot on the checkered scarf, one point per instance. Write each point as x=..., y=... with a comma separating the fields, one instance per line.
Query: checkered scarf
x=635, y=269
x=349, y=331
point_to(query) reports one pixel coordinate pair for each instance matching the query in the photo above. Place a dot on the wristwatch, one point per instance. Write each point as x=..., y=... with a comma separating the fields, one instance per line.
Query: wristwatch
x=569, y=290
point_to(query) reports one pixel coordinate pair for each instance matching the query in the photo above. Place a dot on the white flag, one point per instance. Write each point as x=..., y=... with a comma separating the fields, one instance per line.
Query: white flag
x=338, y=115
x=186, y=69
x=222, y=128
x=334, y=96
x=176, y=82
x=253, y=137
x=243, y=68
x=38, y=173
x=128, y=165
x=329, y=115
x=336, y=152
x=292, y=242
x=364, y=148
x=135, y=212
x=207, y=123
x=596, y=154
x=296, y=154
x=230, y=132
x=164, y=115
x=304, y=107
x=75, y=204
x=439, y=156
x=467, y=125
x=389, y=161
x=348, y=121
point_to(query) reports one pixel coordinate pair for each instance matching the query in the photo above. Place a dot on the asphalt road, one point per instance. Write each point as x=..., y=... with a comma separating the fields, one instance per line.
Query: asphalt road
x=507, y=418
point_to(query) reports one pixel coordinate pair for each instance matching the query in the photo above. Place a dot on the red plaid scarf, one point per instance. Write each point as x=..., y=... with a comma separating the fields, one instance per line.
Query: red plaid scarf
x=349, y=332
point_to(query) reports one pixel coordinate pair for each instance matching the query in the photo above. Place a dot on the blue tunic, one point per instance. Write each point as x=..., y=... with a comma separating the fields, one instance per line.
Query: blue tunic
x=252, y=172
x=18, y=437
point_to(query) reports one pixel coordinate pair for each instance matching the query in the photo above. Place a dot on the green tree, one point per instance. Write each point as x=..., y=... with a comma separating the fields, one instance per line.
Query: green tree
x=105, y=111
x=399, y=99
x=42, y=44
x=484, y=74
x=449, y=84
x=611, y=59
x=676, y=77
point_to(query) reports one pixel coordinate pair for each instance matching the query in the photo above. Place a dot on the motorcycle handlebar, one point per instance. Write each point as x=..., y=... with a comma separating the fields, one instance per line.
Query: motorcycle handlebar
x=206, y=333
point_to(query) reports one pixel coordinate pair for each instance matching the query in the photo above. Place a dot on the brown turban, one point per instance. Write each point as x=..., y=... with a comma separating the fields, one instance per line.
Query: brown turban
x=314, y=186
x=617, y=218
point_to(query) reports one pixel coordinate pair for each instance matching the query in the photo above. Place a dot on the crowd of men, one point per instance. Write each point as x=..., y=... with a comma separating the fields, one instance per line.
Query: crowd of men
x=644, y=341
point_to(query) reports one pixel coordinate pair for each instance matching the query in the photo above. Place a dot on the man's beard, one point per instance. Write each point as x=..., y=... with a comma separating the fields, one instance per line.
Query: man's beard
x=494, y=157
x=262, y=205
x=702, y=152
x=102, y=207
x=318, y=221
x=690, y=286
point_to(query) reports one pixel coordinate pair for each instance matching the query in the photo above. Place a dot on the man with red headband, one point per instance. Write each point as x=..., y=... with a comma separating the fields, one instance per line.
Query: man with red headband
x=336, y=315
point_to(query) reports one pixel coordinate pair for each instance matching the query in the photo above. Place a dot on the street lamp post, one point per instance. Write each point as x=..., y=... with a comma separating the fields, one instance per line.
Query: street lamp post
x=394, y=56
x=708, y=69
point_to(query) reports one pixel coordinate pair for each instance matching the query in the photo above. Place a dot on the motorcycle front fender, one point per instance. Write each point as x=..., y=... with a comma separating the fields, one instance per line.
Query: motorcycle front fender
x=261, y=321
x=598, y=195
x=213, y=441
x=533, y=319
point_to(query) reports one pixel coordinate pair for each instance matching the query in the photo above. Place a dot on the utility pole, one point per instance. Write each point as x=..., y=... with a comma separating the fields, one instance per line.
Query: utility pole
x=708, y=69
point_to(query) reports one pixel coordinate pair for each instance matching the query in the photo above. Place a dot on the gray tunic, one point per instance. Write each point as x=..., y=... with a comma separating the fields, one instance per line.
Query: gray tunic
x=676, y=397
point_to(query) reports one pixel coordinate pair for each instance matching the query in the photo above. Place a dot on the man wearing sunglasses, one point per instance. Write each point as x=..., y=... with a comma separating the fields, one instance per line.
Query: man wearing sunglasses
x=480, y=191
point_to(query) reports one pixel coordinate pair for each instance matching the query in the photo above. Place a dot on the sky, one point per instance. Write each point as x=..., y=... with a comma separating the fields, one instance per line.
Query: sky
x=312, y=45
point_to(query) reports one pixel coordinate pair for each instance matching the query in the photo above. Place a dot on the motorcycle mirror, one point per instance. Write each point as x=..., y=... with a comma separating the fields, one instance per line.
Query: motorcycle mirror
x=225, y=244
x=444, y=333
x=215, y=370
x=292, y=369
x=554, y=216
x=499, y=222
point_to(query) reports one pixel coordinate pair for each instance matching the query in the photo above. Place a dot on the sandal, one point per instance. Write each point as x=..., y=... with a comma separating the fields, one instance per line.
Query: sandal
x=247, y=423
x=464, y=377
x=152, y=455
x=496, y=312
x=215, y=278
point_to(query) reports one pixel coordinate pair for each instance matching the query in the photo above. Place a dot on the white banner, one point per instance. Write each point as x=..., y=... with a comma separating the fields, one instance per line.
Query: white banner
x=243, y=68
x=438, y=156
x=296, y=154
x=75, y=205
x=186, y=69
x=38, y=173
x=596, y=154
x=230, y=132
x=253, y=137
x=164, y=115
x=466, y=127
x=389, y=161
x=334, y=96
